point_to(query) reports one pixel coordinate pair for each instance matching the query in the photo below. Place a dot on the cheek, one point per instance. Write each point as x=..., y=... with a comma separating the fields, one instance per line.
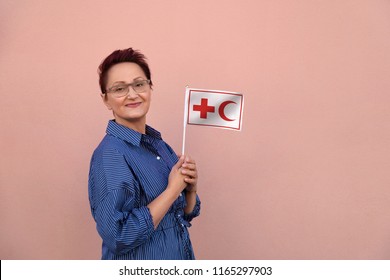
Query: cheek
x=147, y=98
x=112, y=104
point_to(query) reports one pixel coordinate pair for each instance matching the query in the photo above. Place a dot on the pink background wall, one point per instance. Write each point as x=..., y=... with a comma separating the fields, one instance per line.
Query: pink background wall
x=307, y=178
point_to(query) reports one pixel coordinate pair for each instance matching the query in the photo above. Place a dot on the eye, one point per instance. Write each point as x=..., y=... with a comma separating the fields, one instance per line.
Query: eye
x=118, y=89
x=140, y=84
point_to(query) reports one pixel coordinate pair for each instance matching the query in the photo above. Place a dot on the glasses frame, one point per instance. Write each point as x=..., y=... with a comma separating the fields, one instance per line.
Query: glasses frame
x=132, y=85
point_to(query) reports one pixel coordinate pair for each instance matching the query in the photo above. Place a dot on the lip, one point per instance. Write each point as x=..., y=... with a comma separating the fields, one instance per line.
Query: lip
x=133, y=105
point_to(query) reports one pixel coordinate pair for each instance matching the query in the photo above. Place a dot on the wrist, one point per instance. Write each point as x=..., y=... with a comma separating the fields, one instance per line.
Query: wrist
x=172, y=192
x=191, y=191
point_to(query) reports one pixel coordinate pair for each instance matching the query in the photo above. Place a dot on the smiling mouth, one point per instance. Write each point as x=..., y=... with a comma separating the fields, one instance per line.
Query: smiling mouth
x=133, y=105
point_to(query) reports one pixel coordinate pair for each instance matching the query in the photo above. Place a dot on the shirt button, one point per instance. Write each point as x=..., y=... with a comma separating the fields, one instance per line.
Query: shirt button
x=158, y=158
x=180, y=194
x=182, y=225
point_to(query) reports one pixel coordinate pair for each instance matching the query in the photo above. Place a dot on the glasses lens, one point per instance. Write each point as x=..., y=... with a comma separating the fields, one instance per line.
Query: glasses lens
x=123, y=89
x=140, y=86
x=119, y=90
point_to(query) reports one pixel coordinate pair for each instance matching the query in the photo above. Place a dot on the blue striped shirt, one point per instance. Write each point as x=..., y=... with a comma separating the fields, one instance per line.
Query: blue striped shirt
x=129, y=170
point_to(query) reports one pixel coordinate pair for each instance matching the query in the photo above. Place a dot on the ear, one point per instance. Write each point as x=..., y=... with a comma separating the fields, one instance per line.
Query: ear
x=105, y=101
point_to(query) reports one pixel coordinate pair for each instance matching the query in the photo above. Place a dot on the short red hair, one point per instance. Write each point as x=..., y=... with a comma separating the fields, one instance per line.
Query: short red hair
x=119, y=56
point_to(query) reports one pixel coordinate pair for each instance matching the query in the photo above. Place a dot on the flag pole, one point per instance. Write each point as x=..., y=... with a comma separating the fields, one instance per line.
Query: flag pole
x=185, y=120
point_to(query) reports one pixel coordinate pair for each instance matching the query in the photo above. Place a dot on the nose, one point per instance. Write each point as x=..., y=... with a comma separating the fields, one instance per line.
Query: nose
x=131, y=94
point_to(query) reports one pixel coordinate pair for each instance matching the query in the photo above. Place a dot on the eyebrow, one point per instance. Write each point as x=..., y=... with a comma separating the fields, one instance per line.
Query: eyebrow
x=124, y=82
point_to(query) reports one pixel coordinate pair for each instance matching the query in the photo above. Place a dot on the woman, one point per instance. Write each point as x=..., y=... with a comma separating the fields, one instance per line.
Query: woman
x=142, y=196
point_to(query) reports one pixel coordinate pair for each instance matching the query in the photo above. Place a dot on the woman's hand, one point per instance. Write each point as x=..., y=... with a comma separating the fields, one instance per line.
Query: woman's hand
x=183, y=176
x=188, y=168
x=176, y=180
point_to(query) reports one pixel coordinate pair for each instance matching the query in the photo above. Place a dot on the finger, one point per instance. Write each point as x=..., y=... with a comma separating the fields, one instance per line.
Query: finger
x=189, y=160
x=185, y=156
x=190, y=181
x=190, y=173
x=190, y=166
x=180, y=162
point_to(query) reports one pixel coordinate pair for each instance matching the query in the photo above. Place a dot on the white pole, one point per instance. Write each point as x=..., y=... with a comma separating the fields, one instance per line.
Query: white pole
x=185, y=120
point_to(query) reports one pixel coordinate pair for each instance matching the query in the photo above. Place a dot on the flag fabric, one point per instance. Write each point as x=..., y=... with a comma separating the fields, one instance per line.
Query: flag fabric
x=221, y=109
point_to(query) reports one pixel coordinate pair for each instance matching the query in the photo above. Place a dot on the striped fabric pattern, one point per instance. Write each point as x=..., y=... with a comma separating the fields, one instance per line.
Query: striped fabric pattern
x=128, y=170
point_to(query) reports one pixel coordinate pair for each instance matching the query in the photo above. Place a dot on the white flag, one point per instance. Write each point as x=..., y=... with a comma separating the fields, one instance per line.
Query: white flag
x=221, y=109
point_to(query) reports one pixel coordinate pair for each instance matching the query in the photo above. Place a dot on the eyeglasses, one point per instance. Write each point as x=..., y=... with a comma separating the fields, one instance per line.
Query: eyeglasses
x=121, y=90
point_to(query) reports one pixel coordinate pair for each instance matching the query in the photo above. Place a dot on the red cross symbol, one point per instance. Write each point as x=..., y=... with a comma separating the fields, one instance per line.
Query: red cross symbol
x=203, y=108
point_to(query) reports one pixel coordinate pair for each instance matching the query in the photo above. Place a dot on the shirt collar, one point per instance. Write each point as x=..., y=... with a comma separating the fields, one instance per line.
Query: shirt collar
x=130, y=135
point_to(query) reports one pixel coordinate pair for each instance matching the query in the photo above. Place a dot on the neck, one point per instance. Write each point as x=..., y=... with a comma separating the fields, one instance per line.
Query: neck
x=139, y=125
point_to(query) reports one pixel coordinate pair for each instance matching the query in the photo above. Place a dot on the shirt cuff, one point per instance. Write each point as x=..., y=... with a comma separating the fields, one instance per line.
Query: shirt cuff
x=195, y=212
x=147, y=218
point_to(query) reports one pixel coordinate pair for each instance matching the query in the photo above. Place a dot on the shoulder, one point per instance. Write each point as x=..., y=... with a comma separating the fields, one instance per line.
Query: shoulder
x=108, y=148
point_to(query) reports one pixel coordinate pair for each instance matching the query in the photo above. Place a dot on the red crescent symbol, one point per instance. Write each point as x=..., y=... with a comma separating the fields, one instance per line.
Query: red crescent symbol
x=221, y=110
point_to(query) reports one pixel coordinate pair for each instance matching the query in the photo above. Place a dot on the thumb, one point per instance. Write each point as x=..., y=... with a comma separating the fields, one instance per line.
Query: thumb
x=180, y=162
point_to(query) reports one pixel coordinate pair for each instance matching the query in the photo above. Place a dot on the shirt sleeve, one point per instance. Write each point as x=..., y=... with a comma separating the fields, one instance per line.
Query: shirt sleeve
x=114, y=197
x=195, y=212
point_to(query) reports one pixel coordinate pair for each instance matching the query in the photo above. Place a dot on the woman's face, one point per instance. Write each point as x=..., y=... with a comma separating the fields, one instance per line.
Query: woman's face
x=131, y=109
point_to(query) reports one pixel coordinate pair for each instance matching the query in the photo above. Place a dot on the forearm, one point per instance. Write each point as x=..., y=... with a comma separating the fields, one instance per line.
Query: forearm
x=191, y=201
x=160, y=205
